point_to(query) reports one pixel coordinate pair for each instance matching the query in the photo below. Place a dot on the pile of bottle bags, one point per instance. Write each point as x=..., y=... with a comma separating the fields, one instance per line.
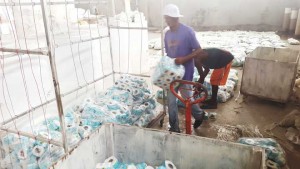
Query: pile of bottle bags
x=128, y=102
x=275, y=155
x=239, y=43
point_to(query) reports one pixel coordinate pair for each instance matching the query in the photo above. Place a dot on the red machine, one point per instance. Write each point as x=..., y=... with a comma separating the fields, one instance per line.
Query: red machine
x=196, y=98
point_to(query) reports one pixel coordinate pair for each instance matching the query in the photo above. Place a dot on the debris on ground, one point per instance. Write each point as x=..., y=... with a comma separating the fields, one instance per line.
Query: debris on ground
x=297, y=123
x=292, y=122
x=293, y=41
x=296, y=90
x=210, y=115
x=237, y=98
x=289, y=120
x=233, y=133
x=293, y=135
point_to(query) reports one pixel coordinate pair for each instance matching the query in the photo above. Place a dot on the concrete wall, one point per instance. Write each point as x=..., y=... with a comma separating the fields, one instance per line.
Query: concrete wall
x=220, y=14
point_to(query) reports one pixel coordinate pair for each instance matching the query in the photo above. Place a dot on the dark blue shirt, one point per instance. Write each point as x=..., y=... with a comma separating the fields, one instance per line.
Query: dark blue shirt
x=217, y=58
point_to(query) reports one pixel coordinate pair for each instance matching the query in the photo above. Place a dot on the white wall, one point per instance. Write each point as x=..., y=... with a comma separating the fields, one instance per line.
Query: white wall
x=229, y=14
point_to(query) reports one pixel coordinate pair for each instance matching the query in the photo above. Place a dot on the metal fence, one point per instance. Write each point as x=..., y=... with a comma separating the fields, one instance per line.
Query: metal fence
x=56, y=52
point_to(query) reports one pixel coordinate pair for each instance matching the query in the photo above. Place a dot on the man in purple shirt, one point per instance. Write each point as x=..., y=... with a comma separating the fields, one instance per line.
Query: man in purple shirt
x=180, y=41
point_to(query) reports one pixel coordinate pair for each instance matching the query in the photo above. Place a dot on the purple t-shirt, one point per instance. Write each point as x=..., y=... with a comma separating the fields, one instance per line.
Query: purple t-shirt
x=182, y=43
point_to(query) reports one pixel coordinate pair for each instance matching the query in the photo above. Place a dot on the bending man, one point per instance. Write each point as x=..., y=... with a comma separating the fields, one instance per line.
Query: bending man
x=212, y=58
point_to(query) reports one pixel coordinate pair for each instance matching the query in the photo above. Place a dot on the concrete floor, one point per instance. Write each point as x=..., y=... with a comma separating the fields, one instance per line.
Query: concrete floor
x=252, y=111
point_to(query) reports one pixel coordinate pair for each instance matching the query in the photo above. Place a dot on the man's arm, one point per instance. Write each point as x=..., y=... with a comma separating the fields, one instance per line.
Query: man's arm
x=202, y=73
x=182, y=60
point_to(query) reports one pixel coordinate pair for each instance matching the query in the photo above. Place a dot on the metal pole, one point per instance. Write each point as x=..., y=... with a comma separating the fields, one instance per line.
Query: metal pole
x=188, y=117
x=135, y=28
x=297, y=30
x=23, y=51
x=9, y=55
x=162, y=30
x=134, y=74
x=54, y=76
x=163, y=52
x=39, y=138
x=76, y=2
x=50, y=3
x=80, y=41
x=110, y=43
x=19, y=4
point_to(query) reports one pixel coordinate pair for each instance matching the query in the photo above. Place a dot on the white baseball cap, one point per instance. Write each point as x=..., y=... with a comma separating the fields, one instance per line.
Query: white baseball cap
x=172, y=11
